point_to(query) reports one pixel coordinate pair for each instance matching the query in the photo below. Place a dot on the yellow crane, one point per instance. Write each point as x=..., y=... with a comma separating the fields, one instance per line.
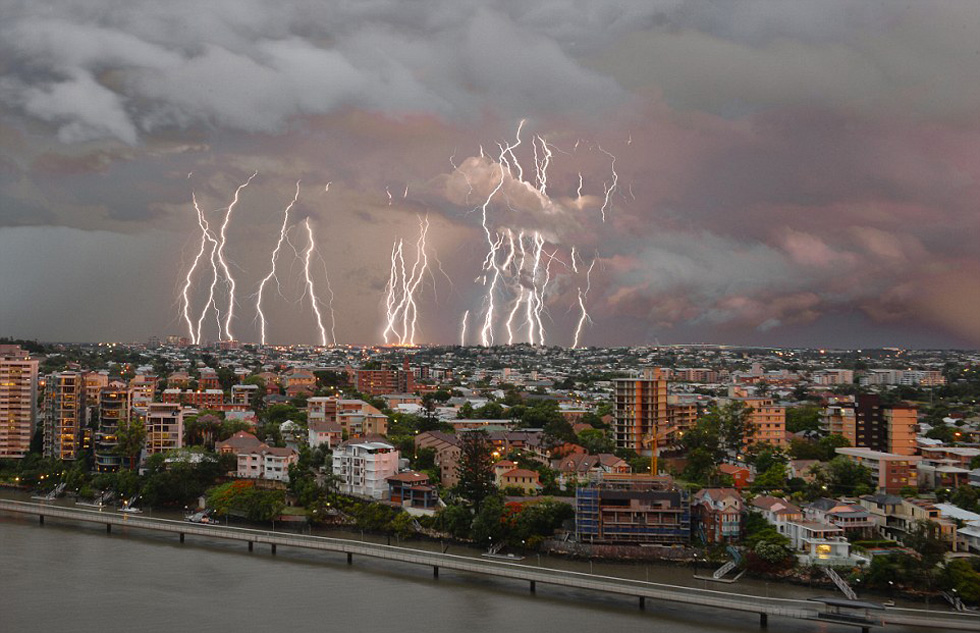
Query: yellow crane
x=653, y=440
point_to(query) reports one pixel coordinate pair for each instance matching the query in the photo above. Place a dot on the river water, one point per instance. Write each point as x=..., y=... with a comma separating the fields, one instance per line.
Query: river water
x=67, y=576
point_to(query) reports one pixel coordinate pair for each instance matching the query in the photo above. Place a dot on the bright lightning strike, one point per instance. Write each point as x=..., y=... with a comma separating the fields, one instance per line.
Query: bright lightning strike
x=307, y=257
x=401, y=302
x=272, y=271
x=194, y=335
x=224, y=262
x=582, y=296
x=610, y=188
x=462, y=331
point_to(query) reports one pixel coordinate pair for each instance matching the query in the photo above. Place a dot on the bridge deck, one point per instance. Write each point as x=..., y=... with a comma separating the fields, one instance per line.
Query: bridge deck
x=799, y=609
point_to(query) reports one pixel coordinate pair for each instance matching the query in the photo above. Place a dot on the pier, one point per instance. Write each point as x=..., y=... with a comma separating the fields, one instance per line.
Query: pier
x=535, y=579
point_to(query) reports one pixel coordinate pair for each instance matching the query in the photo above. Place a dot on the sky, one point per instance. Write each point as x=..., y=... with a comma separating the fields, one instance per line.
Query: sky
x=602, y=172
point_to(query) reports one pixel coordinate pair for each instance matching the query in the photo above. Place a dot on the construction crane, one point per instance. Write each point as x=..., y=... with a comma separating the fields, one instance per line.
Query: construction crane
x=653, y=440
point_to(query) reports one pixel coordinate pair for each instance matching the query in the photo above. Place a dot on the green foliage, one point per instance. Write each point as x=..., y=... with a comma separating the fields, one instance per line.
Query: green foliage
x=963, y=576
x=841, y=476
x=130, y=436
x=804, y=418
x=243, y=498
x=924, y=538
x=823, y=449
x=967, y=498
x=764, y=456
x=181, y=482
x=375, y=517
x=487, y=525
x=774, y=478
x=596, y=441
x=475, y=468
x=455, y=519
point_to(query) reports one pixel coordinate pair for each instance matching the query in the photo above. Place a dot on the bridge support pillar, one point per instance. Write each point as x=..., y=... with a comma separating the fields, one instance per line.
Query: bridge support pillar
x=181, y=537
x=108, y=528
x=251, y=545
x=643, y=603
x=533, y=587
x=41, y=518
x=435, y=571
x=273, y=549
x=350, y=559
x=763, y=620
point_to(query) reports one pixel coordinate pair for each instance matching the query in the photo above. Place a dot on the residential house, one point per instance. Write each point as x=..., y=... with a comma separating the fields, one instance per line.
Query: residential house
x=777, y=512
x=327, y=434
x=853, y=518
x=717, y=514
x=741, y=475
x=266, y=462
x=413, y=492
x=240, y=442
x=447, y=453
x=527, y=480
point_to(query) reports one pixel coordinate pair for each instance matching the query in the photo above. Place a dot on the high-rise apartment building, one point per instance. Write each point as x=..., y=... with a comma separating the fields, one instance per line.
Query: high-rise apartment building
x=164, y=427
x=113, y=409
x=377, y=382
x=64, y=415
x=18, y=401
x=868, y=423
x=640, y=410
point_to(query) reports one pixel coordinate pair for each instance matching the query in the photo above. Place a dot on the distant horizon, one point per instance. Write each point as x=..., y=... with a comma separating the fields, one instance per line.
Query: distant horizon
x=208, y=345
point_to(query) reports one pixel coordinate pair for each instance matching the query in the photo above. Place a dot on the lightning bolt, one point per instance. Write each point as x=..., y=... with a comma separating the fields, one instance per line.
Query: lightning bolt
x=224, y=262
x=206, y=231
x=610, y=188
x=403, y=288
x=202, y=223
x=389, y=196
x=582, y=296
x=490, y=263
x=272, y=271
x=462, y=331
x=307, y=257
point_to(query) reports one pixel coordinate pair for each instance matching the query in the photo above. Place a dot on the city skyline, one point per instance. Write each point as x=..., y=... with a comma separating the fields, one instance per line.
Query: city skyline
x=797, y=175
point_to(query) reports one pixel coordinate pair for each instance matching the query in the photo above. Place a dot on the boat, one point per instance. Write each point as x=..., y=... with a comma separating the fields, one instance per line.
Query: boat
x=202, y=517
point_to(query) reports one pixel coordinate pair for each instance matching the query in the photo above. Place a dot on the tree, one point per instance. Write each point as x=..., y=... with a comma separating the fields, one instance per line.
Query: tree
x=130, y=436
x=962, y=575
x=805, y=418
x=730, y=423
x=244, y=499
x=475, y=468
x=841, y=476
x=596, y=441
x=774, y=478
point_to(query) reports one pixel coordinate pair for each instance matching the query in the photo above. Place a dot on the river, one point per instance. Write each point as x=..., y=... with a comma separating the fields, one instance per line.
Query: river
x=68, y=576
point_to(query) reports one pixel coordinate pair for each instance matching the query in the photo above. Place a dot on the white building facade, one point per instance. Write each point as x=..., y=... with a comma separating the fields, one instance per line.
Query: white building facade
x=364, y=467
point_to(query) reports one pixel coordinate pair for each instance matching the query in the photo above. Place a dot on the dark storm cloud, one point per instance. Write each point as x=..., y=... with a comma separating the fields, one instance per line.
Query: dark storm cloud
x=781, y=166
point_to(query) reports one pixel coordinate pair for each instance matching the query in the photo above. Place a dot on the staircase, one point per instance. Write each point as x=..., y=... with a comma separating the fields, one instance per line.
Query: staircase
x=954, y=600
x=730, y=565
x=724, y=569
x=841, y=583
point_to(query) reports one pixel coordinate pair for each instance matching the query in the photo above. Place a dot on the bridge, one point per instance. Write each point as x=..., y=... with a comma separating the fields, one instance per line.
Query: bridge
x=639, y=590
